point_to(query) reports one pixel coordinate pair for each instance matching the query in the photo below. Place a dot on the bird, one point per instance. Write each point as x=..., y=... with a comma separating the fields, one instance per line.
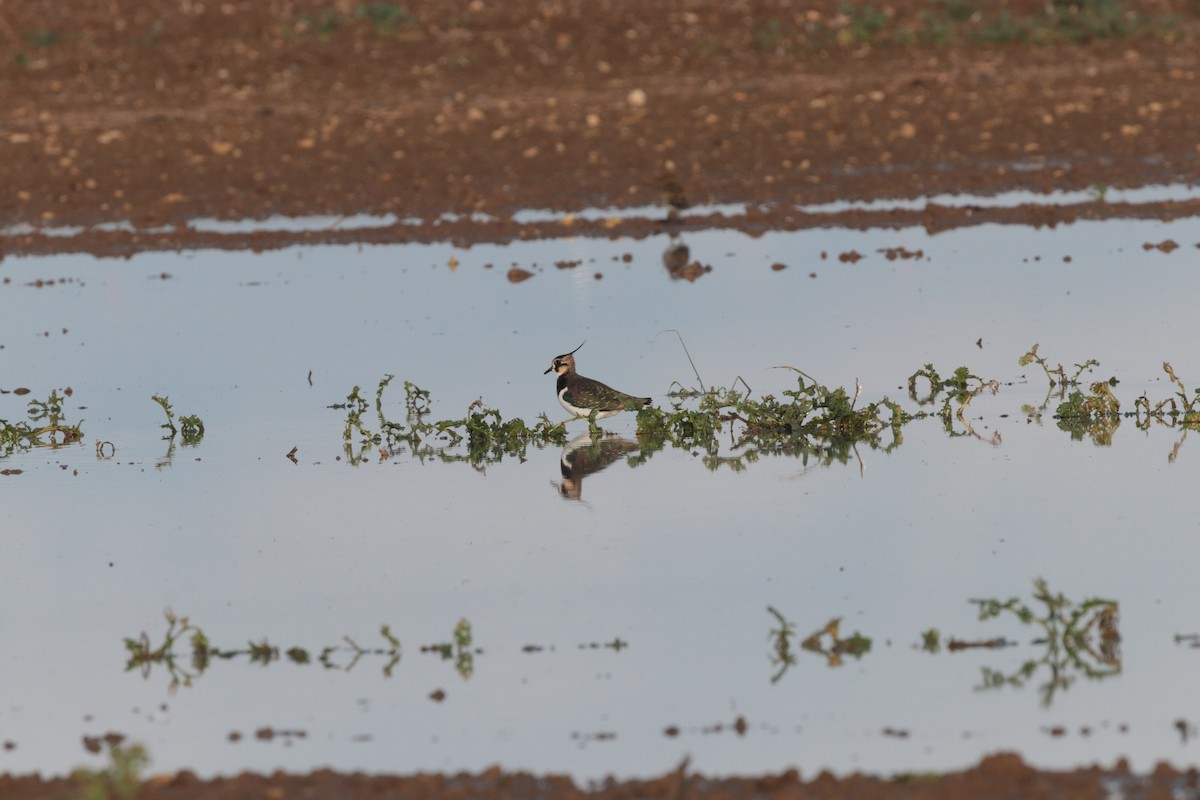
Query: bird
x=583, y=396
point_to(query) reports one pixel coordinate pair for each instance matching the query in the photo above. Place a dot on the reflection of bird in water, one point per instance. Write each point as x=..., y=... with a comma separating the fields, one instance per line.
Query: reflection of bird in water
x=676, y=259
x=581, y=396
x=672, y=194
x=585, y=456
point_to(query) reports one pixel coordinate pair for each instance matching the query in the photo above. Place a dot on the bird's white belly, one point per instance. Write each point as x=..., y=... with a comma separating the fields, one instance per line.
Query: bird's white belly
x=582, y=412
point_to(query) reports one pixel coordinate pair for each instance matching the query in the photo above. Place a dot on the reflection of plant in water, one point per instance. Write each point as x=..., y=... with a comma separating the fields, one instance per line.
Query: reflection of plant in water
x=856, y=645
x=48, y=429
x=1079, y=639
x=826, y=641
x=300, y=656
x=121, y=779
x=783, y=656
x=459, y=650
x=143, y=656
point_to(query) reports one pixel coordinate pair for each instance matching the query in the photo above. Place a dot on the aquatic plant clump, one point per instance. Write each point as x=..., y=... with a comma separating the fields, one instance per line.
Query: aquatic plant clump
x=47, y=426
x=731, y=427
x=488, y=435
x=190, y=429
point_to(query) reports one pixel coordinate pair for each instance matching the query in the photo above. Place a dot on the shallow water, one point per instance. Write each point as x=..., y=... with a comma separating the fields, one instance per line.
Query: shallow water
x=677, y=561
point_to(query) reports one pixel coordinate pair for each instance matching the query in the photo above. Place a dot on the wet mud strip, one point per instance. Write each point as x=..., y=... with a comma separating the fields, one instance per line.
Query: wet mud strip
x=997, y=777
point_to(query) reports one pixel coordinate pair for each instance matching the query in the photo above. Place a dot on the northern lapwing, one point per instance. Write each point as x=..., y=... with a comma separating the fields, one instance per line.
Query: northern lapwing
x=581, y=396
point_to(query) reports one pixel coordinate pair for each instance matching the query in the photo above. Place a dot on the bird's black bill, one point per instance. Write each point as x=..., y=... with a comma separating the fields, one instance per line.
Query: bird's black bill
x=548, y=369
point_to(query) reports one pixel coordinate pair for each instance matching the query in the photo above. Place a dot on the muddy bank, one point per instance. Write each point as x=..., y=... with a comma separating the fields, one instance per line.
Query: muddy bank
x=997, y=777
x=120, y=112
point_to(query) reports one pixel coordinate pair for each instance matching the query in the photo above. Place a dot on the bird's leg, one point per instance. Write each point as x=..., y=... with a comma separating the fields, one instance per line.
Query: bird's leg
x=593, y=428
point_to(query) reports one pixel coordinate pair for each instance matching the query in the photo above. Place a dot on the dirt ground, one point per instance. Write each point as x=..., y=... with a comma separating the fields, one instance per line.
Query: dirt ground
x=999, y=777
x=155, y=114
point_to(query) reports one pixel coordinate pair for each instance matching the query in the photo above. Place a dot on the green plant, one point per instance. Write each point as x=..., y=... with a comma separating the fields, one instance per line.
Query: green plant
x=487, y=434
x=48, y=428
x=191, y=426
x=935, y=29
x=323, y=25
x=865, y=21
x=384, y=16
x=769, y=36
x=151, y=36
x=999, y=28
x=43, y=38
x=1096, y=414
x=1084, y=20
x=957, y=11
x=1181, y=405
x=1058, y=375
x=120, y=780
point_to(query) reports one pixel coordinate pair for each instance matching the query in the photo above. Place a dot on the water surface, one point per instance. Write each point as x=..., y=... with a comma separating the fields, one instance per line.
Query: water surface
x=676, y=561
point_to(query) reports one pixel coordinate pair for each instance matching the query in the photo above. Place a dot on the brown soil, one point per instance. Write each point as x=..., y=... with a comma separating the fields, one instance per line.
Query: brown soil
x=160, y=113
x=157, y=113
x=999, y=777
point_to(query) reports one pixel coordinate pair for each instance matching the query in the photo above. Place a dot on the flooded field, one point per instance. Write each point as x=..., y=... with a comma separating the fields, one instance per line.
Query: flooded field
x=608, y=604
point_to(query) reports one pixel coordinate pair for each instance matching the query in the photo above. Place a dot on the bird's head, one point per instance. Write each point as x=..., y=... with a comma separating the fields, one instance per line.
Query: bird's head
x=565, y=363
